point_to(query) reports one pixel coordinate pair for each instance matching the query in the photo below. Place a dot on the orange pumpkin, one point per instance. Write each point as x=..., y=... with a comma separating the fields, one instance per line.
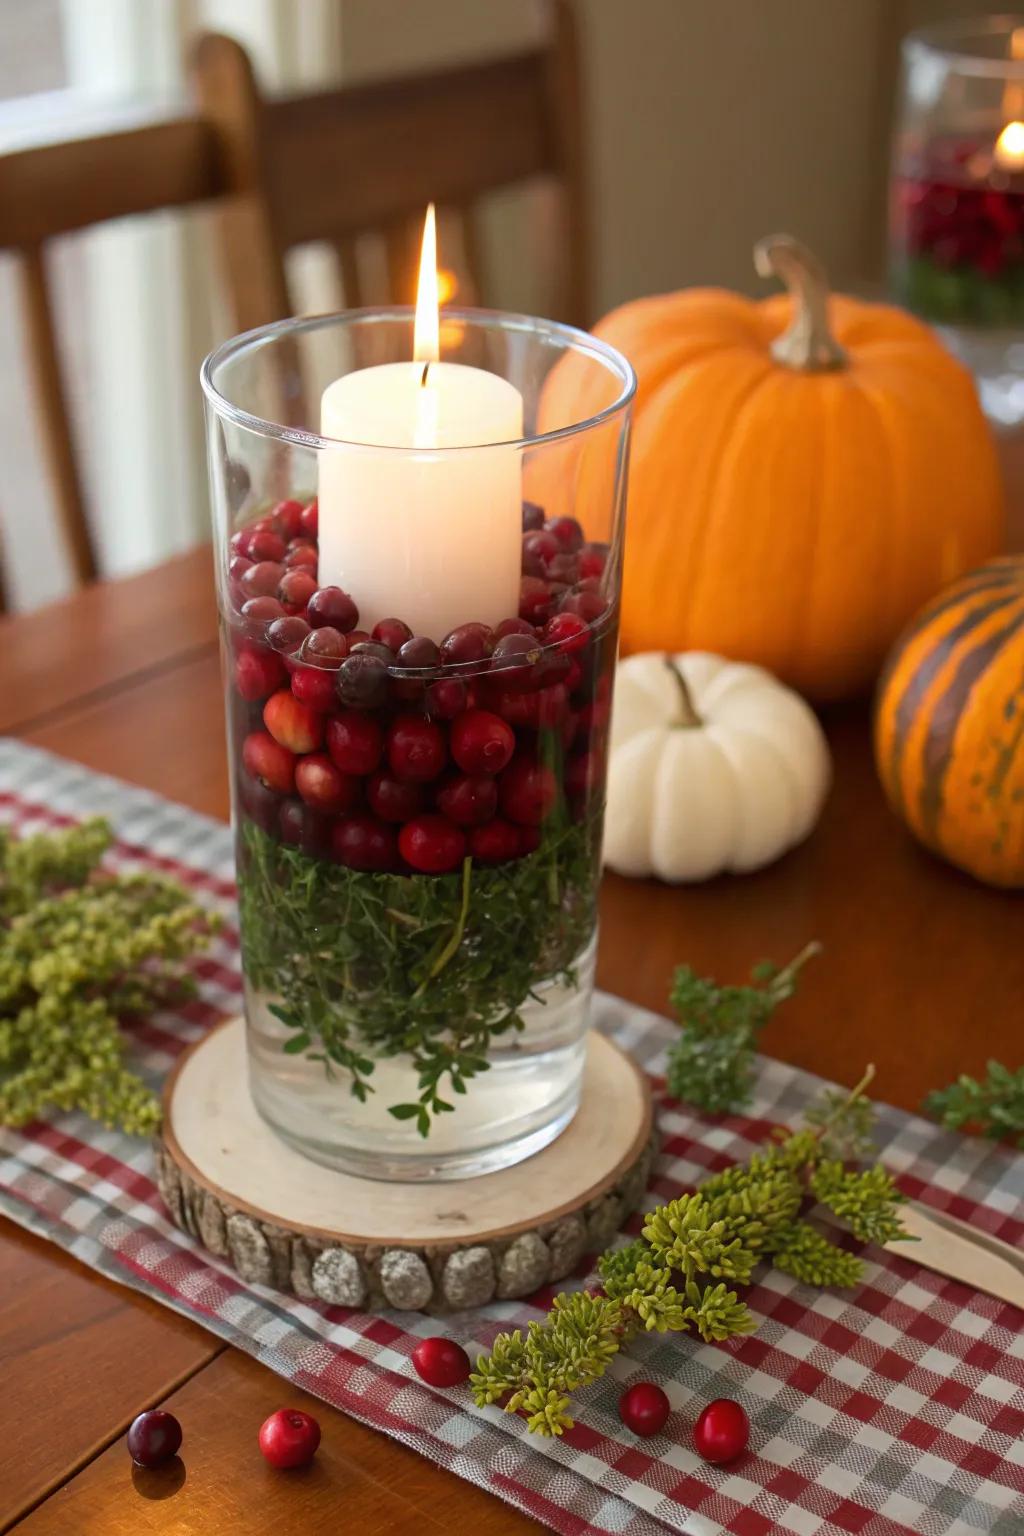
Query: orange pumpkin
x=949, y=724
x=805, y=472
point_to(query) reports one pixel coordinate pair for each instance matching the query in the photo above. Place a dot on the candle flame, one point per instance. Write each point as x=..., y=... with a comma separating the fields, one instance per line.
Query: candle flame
x=1010, y=147
x=426, y=339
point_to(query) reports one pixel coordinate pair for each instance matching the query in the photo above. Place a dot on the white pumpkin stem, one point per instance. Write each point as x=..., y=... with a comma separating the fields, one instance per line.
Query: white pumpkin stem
x=807, y=343
x=691, y=721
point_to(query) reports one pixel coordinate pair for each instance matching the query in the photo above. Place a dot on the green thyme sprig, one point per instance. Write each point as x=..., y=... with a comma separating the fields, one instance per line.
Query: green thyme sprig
x=435, y=968
x=711, y=1063
x=993, y=1107
x=79, y=950
x=677, y=1277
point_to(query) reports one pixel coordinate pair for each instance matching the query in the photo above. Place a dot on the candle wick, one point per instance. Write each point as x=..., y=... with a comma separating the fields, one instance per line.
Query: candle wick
x=423, y=378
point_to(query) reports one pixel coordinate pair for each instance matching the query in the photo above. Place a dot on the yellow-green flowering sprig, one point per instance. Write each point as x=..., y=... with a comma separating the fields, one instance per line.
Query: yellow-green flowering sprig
x=79, y=950
x=674, y=1277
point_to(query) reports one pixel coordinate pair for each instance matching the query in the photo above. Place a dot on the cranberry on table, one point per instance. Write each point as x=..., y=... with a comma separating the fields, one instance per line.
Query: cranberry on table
x=495, y=842
x=326, y=647
x=287, y=634
x=446, y=698
x=289, y=1438
x=330, y=605
x=309, y=519
x=262, y=579
x=355, y=742
x=467, y=642
x=296, y=589
x=393, y=799
x=314, y=686
x=533, y=516
x=722, y=1431
x=323, y=785
x=420, y=652
x=257, y=672
x=391, y=632
x=528, y=791
x=468, y=799
x=287, y=516
x=267, y=760
x=259, y=611
x=432, y=845
x=643, y=1408
x=362, y=681
x=295, y=725
x=154, y=1437
x=441, y=1362
x=362, y=842
x=567, y=531
x=481, y=742
x=416, y=748
x=566, y=630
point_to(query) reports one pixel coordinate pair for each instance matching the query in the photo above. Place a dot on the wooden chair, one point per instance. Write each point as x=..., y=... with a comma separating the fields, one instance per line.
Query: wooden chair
x=130, y=163
x=343, y=162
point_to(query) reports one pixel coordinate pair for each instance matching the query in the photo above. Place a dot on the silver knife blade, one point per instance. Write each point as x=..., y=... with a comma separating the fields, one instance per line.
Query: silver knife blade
x=954, y=1248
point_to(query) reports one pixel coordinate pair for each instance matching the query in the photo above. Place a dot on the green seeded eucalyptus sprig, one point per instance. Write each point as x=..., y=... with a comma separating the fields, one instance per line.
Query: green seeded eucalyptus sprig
x=994, y=1107
x=79, y=950
x=676, y=1276
x=711, y=1063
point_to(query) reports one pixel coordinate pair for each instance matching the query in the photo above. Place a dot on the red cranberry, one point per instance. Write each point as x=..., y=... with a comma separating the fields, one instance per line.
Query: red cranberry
x=416, y=748
x=357, y=637
x=286, y=635
x=420, y=653
x=314, y=687
x=372, y=648
x=583, y=773
x=593, y=558
x=259, y=802
x=268, y=761
x=495, y=842
x=287, y=515
x=446, y=698
x=594, y=717
x=360, y=842
x=481, y=742
x=264, y=544
x=533, y=516
x=362, y=681
x=325, y=647
x=262, y=580
x=722, y=1431
x=302, y=827
x=309, y=519
x=391, y=632
x=296, y=589
x=354, y=742
x=468, y=642
x=432, y=845
x=512, y=627
x=568, y=533
x=257, y=672
x=295, y=725
x=529, y=839
x=261, y=610
x=468, y=799
x=237, y=567
x=537, y=711
x=289, y=1438
x=301, y=556
x=644, y=1408
x=588, y=604
x=441, y=1362
x=393, y=799
x=330, y=605
x=323, y=786
x=516, y=657
x=535, y=599
x=528, y=792
x=566, y=630
x=541, y=545
x=564, y=568
x=154, y=1437
x=239, y=541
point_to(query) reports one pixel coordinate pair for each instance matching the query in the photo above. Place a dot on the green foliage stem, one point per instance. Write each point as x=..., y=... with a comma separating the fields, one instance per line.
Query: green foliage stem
x=677, y=1277
x=993, y=1107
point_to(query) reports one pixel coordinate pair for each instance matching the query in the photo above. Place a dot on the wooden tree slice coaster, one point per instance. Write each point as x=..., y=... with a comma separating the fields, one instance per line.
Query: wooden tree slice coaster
x=281, y=1220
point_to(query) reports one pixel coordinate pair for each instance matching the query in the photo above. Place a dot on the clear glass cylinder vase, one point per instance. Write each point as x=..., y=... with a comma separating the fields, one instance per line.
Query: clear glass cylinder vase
x=418, y=569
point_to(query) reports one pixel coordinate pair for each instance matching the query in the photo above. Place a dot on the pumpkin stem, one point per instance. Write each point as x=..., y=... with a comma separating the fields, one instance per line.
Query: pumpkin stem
x=691, y=721
x=807, y=342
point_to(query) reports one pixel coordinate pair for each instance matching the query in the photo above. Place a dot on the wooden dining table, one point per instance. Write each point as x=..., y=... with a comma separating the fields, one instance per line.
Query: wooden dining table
x=922, y=973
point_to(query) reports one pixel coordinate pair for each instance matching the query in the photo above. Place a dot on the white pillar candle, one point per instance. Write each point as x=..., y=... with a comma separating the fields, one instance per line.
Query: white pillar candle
x=417, y=520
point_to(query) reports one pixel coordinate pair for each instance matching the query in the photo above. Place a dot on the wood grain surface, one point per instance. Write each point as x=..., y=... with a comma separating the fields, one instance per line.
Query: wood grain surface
x=923, y=972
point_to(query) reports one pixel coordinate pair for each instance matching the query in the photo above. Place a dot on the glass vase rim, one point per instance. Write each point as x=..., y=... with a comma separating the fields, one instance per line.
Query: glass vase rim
x=951, y=40
x=576, y=340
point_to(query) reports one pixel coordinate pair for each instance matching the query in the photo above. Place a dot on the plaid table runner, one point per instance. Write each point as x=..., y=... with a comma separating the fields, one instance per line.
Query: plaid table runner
x=896, y=1407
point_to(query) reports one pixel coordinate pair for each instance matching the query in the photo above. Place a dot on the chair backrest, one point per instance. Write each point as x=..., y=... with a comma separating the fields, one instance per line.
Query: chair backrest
x=341, y=163
x=124, y=163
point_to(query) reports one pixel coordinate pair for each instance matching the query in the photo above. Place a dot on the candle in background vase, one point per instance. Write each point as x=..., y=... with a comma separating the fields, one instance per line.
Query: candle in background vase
x=431, y=534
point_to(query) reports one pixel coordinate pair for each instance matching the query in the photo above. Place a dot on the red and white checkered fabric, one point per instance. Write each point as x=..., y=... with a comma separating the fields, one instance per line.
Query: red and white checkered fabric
x=895, y=1407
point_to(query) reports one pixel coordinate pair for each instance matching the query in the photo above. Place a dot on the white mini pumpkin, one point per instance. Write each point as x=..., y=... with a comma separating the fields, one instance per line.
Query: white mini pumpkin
x=713, y=765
